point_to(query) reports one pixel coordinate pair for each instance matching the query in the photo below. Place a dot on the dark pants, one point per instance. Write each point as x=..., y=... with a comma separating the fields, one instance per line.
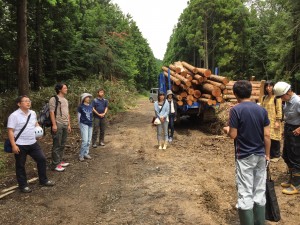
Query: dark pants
x=59, y=141
x=275, y=149
x=99, y=123
x=38, y=156
x=291, y=148
x=171, y=125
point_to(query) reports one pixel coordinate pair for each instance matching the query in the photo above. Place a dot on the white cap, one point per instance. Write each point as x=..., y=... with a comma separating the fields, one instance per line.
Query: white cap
x=84, y=95
x=39, y=132
x=281, y=88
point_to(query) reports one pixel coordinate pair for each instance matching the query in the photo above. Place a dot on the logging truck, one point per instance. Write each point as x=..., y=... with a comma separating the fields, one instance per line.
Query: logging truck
x=198, y=91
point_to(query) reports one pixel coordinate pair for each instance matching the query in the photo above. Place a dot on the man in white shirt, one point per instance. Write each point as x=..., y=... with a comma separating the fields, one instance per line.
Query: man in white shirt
x=26, y=144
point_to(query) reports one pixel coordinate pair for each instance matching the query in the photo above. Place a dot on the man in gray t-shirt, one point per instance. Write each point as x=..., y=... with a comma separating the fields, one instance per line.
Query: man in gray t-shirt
x=61, y=126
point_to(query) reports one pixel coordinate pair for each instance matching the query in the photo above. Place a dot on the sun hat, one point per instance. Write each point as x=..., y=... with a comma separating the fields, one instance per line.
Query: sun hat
x=169, y=92
x=84, y=95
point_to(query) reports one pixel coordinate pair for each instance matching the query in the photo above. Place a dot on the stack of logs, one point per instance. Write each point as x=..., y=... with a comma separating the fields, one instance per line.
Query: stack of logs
x=192, y=84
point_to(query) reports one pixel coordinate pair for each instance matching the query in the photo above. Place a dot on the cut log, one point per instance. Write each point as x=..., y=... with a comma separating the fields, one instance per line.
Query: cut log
x=204, y=72
x=188, y=66
x=197, y=94
x=180, y=103
x=178, y=97
x=195, y=82
x=174, y=79
x=174, y=68
x=190, y=97
x=183, y=94
x=176, y=75
x=199, y=78
x=185, y=74
x=220, y=99
x=219, y=79
x=190, y=91
x=215, y=83
x=188, y=77
x=208, y=101
x=189, y=102
x=208, y=96
x=211, y=89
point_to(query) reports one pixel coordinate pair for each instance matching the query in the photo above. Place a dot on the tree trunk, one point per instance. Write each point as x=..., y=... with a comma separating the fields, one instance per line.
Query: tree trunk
x=22, y=58
x=38, y=51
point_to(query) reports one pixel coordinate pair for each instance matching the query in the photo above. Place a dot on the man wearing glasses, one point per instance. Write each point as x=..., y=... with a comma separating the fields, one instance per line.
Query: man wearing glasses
x=26, y=144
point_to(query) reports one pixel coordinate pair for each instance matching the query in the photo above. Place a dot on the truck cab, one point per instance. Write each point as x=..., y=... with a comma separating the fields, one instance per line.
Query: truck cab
x=153, y=94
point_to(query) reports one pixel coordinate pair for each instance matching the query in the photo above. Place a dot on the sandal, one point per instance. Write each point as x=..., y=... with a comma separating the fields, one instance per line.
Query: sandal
x=291, y=190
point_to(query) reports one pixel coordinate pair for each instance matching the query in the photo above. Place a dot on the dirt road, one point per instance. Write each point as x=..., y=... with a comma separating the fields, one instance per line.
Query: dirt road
x=130, y=181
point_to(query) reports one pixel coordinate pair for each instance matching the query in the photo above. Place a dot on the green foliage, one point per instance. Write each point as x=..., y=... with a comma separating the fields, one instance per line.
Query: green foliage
x=119, y=94
x=76, y=39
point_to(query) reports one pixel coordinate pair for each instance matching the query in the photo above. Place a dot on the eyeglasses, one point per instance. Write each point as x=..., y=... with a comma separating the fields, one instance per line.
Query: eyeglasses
x=26, y=101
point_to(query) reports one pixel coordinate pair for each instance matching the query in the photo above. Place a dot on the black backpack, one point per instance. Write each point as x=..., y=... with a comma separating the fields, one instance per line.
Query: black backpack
x=44, y=115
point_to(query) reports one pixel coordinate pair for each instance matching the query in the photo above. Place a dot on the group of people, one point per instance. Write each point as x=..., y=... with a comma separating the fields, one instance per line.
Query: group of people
x=257, y=133
x=166, y=111
x=91, y=118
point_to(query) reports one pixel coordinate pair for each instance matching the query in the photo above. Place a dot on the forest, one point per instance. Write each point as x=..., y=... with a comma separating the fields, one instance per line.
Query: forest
x=66, y=39
x=241, y=38
x=69, y=39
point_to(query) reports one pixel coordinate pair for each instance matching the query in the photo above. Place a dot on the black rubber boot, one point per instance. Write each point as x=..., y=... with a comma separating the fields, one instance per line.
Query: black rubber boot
x=288, y=183
x=246, y=217
x=259, y=214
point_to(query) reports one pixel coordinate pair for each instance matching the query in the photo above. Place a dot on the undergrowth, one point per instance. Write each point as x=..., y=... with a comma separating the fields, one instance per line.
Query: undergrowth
x=119, y=94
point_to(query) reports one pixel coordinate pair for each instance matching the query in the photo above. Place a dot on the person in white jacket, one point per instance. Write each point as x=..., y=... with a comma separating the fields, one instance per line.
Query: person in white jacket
x=161, y=108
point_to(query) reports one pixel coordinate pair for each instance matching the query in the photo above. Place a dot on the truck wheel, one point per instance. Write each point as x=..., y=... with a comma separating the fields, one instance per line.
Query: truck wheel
x=151, y=100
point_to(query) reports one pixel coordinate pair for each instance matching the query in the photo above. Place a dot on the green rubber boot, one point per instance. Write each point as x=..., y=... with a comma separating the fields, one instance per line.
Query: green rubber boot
x=259, y=213
x=246, y=217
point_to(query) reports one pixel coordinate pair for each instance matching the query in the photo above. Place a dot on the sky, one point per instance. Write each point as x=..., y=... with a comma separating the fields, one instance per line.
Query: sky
x=155, y=19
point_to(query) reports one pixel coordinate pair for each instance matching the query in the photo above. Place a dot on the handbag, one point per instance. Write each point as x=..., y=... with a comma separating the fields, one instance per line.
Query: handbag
x=272, y=207
x=155, y=119
x=7, y=144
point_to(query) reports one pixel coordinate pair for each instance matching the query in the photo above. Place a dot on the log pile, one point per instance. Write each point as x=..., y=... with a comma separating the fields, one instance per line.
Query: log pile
x=192, y=84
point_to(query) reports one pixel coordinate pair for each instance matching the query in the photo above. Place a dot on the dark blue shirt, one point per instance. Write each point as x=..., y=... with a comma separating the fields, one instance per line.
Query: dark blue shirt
x=99, y=105
x=86, y=114
x=249, y=119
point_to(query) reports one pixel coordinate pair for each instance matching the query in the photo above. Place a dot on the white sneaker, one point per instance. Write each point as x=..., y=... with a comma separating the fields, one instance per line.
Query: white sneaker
x=81, y=159
x=165, y=147
x=87, y=157
x=64, y=164
x=59, y=168
x=160, y=147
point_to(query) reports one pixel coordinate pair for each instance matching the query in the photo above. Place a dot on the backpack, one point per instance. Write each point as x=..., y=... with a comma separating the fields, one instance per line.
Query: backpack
x=282, y=117
x=44, y=115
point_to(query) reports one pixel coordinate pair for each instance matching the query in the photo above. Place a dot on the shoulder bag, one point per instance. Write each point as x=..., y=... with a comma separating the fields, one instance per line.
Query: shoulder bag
x=7, y=144
x=272, y=207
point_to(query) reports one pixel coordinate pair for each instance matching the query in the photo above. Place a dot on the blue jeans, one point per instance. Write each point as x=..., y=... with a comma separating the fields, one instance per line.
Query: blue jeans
x=162, y=127
x=251, y=181
x=86, y=135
